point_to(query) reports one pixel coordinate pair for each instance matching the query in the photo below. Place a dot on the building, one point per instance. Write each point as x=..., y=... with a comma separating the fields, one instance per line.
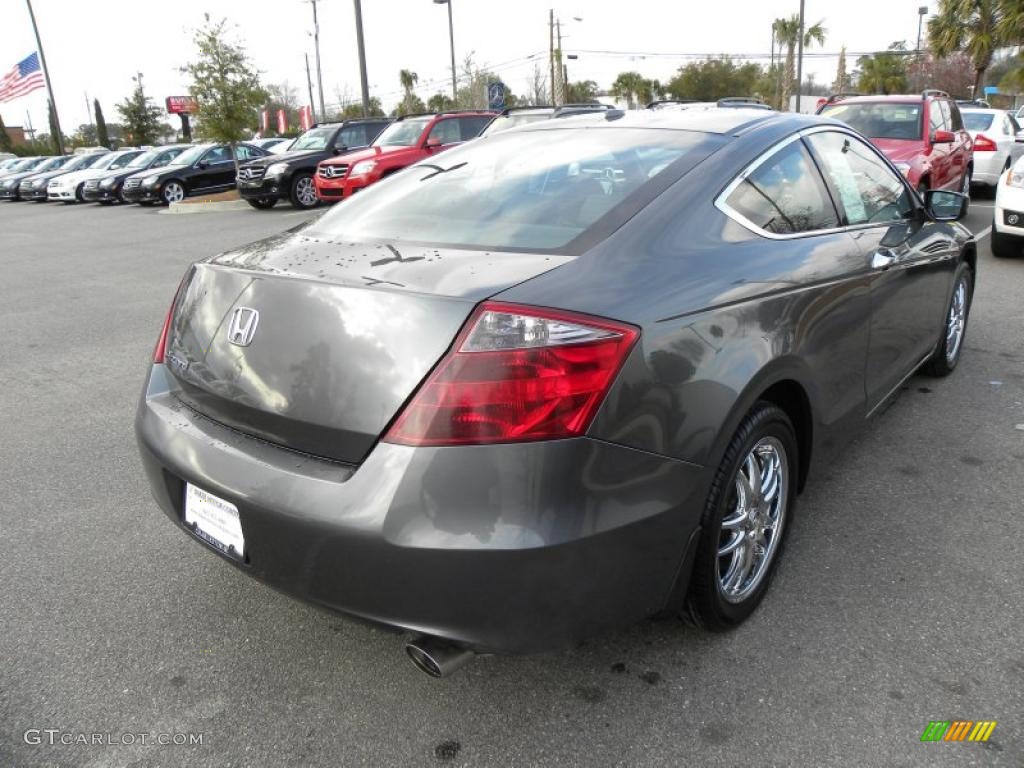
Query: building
x=16, y=134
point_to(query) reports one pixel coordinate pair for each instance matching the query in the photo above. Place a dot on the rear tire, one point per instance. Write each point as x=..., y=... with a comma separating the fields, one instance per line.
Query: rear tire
x=947, y=354
x=262, y=203
x=745, y=521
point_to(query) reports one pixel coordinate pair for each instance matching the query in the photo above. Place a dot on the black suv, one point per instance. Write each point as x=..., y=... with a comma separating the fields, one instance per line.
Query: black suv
x=290, y=174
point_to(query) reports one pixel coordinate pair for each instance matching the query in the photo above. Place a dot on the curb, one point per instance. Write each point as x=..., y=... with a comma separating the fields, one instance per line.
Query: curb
x=212, y=207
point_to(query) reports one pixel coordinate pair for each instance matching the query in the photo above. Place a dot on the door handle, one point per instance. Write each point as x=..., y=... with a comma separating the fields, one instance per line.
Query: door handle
x=882, y=259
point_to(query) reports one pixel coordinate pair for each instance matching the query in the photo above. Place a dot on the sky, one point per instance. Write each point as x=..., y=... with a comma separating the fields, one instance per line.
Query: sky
x=94, y=48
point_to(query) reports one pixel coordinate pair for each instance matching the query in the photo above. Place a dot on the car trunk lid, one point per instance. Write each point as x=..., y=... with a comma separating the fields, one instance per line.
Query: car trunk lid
x=315, y=344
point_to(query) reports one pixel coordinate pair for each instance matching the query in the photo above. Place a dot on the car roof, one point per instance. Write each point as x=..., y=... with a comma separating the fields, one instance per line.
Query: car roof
x=730, y=120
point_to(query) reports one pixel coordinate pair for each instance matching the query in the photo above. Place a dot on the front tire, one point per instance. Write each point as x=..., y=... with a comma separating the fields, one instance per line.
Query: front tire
x=947, y=354
x=303, y=191
x=745, y=519
x=172, y=192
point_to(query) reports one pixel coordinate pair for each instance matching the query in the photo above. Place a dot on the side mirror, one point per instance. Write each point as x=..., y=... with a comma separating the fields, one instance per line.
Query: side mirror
x=945, y=206
x=433, y=143
x=943, y=137
x=203, y=164
x=339, y=148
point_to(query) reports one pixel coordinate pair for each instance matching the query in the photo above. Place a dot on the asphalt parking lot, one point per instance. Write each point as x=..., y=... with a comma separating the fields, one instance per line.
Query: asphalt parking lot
x=900, y=598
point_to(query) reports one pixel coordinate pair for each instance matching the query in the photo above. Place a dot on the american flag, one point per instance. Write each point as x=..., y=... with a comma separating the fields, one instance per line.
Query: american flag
x=24, y=76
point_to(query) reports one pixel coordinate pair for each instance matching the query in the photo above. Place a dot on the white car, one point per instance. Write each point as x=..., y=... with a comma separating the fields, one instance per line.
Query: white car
x=68, y=186
x=1008, y=216
x=994, y=133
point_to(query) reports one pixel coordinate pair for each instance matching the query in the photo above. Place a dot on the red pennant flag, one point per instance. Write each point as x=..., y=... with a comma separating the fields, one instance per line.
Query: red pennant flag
x=282, y=121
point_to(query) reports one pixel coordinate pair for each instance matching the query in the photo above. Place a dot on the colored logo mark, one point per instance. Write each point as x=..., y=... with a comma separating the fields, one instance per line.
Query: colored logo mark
x=958, y=730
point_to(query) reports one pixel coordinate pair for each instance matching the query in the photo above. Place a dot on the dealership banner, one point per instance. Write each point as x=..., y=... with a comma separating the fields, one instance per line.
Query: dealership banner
x=264, y=121
x=306, y=117
x=282, y=121
x=182, y=105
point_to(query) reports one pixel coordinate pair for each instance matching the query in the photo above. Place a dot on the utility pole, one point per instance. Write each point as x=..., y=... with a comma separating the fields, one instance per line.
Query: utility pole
x=89, y=119
x=551, y=52
x=46, y=74
x=309, y=82
x=362, y=58
x=921, y=11
x=800, y=58
x=316, y=46
x=560, y=97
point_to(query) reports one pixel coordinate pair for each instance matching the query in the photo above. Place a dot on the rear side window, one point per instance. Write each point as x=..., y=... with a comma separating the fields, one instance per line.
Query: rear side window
x=870, y=191
x=470, y=127
x=352, y=136
x=785, y=194
x=957, y=120
x=978, y=121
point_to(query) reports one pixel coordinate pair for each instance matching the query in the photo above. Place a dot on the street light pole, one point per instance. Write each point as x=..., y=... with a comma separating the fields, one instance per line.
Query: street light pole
x=800, y=58
x=921, y=11
x=451, y=42
x=46, y=75
x=362, y=58
x=316, y=46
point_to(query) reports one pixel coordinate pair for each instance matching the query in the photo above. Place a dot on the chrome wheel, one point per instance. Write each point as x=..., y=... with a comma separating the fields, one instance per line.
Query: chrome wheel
x=753, y=522
x=957, y=320
x=305, y=192
x=173, y=192
x=966, y=186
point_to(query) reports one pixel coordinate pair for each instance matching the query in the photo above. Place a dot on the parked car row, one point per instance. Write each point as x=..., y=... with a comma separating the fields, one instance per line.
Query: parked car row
x=165, y=175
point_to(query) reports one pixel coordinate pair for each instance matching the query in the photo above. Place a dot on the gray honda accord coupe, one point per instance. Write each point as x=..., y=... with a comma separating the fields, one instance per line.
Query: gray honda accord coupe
x=554, y=380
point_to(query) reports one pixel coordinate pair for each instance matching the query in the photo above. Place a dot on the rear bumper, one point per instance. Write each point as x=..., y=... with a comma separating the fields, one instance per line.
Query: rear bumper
x=506, y=548
x=988, y=167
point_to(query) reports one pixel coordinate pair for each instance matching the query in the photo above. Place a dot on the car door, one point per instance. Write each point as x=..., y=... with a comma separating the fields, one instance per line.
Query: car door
x=215, y=170
x=805, y=250
x=352, y=137
x=960, y=149
x=444, y=134
x=939, y=152
x=910, y=259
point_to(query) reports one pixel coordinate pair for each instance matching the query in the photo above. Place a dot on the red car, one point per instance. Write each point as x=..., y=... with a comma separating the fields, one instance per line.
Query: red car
x=406, y=141
x=923, y=135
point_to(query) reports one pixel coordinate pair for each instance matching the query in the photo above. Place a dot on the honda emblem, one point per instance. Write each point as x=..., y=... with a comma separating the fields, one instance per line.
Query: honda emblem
x=242, y=327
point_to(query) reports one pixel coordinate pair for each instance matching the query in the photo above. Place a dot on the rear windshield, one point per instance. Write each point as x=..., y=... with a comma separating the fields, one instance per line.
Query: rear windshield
x=881, y=120
x=526, y=190
x=977, y=121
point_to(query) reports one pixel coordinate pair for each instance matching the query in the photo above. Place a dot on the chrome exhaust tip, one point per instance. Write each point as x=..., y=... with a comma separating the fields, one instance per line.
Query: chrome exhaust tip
x=437, y=657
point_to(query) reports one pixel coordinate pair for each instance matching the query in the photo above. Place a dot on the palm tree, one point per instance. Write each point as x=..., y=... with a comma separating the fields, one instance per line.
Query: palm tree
x=635, y=89
x=408, y=79
x=977, y=27
x=787, y=35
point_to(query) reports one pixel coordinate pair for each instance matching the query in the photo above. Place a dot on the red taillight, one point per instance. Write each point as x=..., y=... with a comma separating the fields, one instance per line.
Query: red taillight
x=161, y=343
x=516, y=373
x=983, y=143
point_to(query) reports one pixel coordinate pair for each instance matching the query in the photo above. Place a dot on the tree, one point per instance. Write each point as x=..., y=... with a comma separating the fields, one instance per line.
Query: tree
x=713, y=79
x=283, y=96
x=952, y=74
x=635, y=89
x=842, y=81
x=225, y=86
x=440, y=102
x=581, y=92
x=354, y=109
x=884, y=72
x=5, y=140
x=787, y=34
x=410, y=103
x=978, y=27
x=473, y=95
x=141, y=117
x=537, y=87
x=102, y=136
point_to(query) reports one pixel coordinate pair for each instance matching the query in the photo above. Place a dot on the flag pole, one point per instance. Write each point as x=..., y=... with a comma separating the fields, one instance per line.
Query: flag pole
x=46, y=74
